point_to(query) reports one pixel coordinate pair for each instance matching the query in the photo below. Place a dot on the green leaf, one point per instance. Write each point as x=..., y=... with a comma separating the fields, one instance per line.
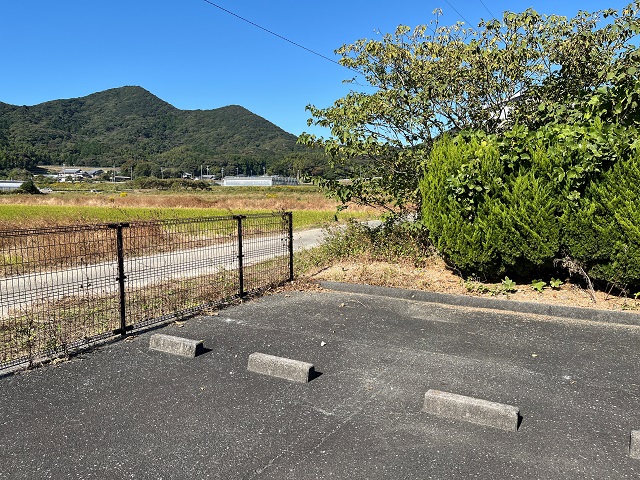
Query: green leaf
x=508, y=285
x=555, y=283
x=538, y=285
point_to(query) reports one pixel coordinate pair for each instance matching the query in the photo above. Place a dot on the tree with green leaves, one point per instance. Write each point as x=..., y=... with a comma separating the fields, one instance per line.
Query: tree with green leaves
x=559, y=190
x=527, y=69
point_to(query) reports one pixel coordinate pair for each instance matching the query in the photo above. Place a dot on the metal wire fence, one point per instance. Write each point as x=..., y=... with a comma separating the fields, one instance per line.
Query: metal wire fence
x=64, y=288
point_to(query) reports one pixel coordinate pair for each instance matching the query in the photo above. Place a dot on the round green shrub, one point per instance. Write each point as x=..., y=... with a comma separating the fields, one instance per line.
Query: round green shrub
x=603, y=234
x=485, y=218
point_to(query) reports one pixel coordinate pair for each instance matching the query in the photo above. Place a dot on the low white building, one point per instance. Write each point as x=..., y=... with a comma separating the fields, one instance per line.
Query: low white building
x=264, y=181
x=10, y=185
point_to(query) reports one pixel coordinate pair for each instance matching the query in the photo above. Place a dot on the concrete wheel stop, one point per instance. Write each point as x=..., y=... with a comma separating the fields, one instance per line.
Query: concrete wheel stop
x=470, y=409
x=634, y=444
x=286, y=368
x=184, y=347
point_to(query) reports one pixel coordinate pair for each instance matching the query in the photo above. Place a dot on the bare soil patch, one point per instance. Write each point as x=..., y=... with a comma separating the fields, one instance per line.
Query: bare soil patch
x=434, y=276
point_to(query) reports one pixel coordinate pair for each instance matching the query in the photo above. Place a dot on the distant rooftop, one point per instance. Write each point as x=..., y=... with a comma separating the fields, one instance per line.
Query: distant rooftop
x=263, y=181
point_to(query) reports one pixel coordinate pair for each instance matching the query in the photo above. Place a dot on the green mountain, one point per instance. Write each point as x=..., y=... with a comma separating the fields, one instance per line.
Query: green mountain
x=132, y=128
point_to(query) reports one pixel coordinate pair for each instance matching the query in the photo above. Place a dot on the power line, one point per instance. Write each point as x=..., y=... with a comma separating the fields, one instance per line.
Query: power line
x=487, y=9
x=272, y=33
x=459, y=14
x=462, y=16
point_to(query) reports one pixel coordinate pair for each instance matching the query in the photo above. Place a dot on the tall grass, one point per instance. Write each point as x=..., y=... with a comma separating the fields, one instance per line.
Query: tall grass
x=394, y=243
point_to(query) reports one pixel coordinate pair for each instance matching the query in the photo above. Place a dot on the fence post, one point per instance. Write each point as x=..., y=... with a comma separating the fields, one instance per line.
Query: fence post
x=290, y=225
x=121, y=277
x=240, y=256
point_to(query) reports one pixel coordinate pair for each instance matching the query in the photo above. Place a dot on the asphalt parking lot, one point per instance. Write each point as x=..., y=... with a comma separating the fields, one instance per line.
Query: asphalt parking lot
x=124, y=411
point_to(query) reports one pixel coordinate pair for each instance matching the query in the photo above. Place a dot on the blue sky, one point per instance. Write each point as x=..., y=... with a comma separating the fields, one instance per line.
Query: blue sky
x=196, y=56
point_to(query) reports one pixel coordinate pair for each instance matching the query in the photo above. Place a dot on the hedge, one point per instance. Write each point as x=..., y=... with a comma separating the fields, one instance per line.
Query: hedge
x=513, y=204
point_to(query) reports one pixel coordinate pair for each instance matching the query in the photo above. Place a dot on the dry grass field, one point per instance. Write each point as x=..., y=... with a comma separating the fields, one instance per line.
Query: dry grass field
x=310, y=206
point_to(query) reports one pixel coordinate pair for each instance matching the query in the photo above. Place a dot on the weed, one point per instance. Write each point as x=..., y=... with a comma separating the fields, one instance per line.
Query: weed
x=388, y=243
x=555, y=283
x=538, y=285
x=474, y=286
x=508, y=285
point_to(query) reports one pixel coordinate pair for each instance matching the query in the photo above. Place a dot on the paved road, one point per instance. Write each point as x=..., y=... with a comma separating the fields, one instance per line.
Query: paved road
x=123, y=411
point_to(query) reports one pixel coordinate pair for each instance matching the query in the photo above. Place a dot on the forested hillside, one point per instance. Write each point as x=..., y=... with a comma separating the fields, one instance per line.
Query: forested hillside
x=131, y=128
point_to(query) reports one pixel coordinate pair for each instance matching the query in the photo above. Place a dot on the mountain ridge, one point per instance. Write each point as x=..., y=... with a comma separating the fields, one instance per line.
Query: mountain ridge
x=129, y=125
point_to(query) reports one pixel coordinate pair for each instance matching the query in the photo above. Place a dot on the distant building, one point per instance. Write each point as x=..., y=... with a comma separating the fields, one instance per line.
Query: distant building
x=71, y=171
x=10, y=185
x=264, y=181
x=72, y=174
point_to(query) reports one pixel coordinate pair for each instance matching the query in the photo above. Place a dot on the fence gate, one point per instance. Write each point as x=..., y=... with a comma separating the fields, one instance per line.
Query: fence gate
x=63, y=288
